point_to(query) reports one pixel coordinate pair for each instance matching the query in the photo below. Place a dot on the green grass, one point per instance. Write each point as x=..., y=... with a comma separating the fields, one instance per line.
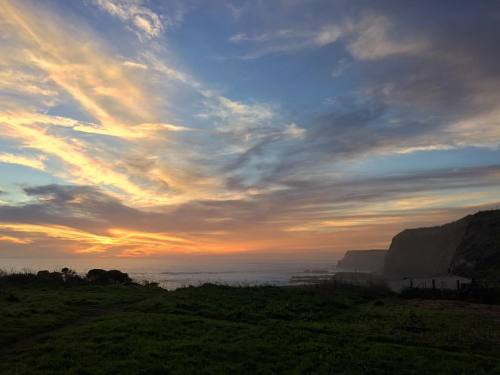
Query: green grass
x=249, y=330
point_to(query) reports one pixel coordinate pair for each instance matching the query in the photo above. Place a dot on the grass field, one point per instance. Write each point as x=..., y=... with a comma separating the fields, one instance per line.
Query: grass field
x=249, y=330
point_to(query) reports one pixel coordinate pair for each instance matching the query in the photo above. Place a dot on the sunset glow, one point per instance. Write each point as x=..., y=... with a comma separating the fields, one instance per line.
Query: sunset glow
x=135, y=128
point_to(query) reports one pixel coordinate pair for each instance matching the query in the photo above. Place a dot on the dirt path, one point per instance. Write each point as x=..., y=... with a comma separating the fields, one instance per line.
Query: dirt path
x=90, y=316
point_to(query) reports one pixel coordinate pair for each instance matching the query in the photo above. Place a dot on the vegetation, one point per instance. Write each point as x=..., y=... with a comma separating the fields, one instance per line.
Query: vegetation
x=474, y=293
x=86, y=328
x=67, y=277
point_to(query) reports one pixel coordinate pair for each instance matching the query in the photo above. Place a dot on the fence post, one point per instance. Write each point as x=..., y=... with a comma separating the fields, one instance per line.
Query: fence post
x=433, y=284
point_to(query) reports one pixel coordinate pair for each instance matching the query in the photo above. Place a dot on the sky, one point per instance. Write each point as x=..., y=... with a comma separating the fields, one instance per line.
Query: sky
x=143, y=129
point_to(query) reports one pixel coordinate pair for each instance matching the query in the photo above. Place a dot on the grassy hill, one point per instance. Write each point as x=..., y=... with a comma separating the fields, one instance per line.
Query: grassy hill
x=90, y=329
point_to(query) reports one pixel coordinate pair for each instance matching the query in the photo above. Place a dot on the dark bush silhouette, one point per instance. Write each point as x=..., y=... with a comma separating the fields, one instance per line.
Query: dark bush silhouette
x=52, y=277
x=98, y=276
x=19, y=278
x=66, y=277
x=71, y=277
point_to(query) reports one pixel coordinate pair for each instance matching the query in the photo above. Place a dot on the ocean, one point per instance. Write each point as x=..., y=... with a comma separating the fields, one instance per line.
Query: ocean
x=172, y=275
x=172, y=280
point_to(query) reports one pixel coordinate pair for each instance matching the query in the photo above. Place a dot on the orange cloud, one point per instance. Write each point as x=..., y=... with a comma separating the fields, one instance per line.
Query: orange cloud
x=14, y=240
x=35, y=163
x=98, y=82
x=121, y=100
x=114, y=241
x=82, y=168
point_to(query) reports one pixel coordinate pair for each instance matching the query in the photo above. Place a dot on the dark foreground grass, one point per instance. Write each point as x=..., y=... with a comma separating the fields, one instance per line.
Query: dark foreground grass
x=225, y=330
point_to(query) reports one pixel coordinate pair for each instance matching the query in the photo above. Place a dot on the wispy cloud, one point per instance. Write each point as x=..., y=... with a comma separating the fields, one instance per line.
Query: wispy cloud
x=145, y=22
x=149, y=20
x=374, y=37
x=120, y=103
x=369, y=37
x=96, y=80
x=35, y=163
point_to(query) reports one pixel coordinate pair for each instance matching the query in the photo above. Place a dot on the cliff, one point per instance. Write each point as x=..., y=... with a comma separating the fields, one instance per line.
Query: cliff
x=363, y=260
x=478, y=255
x=424, y=251
x=468, y=247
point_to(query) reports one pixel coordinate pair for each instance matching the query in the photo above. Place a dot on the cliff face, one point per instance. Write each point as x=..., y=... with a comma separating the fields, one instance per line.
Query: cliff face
x=424, y=251
x=468, y=247
x=478, y=255
x=363, y=260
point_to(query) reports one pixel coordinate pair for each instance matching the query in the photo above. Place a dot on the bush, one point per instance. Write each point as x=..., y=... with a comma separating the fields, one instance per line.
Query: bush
x=52, y=277
x=19, y=278
x=71, y=277
x=67, y=276
x=99, y=276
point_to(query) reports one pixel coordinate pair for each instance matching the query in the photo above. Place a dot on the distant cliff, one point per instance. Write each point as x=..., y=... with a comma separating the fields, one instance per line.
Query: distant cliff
x=363, y=260
x=468, y=247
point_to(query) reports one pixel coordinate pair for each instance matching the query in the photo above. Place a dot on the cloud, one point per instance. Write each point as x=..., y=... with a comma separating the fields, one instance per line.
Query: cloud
x=426, y=82
x=370, y=36
x=15, y=80
x=143, y=20
x=118, y=103
x=449, y=79
x=84, y=217
x=14, y=240
x=73, y=153
x=86, y=220
x=148, y=22
x=242, y=121
x=98, y=82
x=125, y=101
x=157, y=161
x=294, y=131
x=35, y=163
x=374, y=38
x=134, y=64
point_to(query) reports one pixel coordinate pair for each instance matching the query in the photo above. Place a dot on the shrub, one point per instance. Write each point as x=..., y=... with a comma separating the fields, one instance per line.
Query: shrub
x=19, y=278
x=99, y=276
x=53, y=277
x=70, y=276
